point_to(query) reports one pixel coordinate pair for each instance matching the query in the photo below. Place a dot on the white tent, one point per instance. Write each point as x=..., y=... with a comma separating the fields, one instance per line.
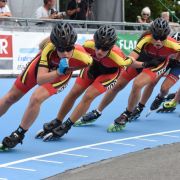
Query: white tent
x=24, y=8
x=104, y=10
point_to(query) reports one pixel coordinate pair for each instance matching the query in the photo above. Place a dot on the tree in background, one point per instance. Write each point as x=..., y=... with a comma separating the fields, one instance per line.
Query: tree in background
x=133, y=8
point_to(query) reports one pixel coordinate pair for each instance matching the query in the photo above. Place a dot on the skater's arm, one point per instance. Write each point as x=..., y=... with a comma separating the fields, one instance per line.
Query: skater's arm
x=44, y=76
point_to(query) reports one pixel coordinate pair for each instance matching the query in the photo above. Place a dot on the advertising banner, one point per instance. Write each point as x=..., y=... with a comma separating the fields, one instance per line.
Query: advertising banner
x=25, y=48
x=18, y=48
x=6, y=46
x=127, y=41
x=6, y=51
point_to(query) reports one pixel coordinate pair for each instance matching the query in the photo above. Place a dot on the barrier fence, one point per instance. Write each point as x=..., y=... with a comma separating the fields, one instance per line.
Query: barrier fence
x=19, y=39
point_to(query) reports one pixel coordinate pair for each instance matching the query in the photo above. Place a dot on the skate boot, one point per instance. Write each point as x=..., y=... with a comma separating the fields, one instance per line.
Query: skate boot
x=59, y=131
x=47, y=127
x=169, y=106
x=88, y=118
x=120, y=122
x=12, y=140
x=169, y=97
x=137, y=112
x=156, y=103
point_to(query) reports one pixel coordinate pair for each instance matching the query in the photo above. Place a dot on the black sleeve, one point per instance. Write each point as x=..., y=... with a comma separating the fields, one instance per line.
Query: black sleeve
x=83, y=5
x=173, y=63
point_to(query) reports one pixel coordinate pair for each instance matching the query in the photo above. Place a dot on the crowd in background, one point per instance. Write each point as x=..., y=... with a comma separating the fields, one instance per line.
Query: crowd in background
x=146, y=16
x=76, y=10
x=4, y=9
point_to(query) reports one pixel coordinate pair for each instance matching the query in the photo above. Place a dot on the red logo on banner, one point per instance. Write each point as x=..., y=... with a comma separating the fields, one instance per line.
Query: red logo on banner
x=6, y=46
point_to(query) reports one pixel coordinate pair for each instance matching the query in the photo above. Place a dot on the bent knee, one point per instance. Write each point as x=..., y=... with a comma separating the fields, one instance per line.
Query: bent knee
x=12, y=98
x=75, y=92
x=137, y=85
x=118, y=87
x=88, y=97
x=35, y=100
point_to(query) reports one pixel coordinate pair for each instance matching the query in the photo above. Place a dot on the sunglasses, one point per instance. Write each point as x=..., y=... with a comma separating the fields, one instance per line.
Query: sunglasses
x=3, y=1
x=102, y=48
x=63, y=49
x=145, y=14
x=157, y=37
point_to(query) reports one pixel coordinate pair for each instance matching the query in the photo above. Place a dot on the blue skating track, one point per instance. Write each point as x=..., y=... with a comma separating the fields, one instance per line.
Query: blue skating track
x=36, y=159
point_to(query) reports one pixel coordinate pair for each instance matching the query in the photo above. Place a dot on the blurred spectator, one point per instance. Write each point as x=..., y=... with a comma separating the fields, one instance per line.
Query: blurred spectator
x=165, y=15
x=90, y=14
x=4, y=9
x=174, y=26
x=145, y=16
x=47, y=11
x=77, y=9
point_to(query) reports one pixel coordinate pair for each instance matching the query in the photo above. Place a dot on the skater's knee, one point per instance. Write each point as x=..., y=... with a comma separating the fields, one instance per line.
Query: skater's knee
x=12, y=98
x=137, y=85
x=152, y=84
x=88, y=97
x=35, y=100
x=74, y=94
x=119, y=86
x=115, y=89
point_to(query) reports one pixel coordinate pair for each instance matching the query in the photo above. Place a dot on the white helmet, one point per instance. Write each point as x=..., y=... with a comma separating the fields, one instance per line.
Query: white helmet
x=146, y=10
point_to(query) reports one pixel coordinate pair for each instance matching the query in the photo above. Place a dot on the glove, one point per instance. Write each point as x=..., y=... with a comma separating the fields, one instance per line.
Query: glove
x=63, y=66
x=153, y=63
x=173, y=63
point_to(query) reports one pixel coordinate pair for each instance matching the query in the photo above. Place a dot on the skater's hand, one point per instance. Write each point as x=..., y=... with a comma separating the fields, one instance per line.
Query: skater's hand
x=63, y=66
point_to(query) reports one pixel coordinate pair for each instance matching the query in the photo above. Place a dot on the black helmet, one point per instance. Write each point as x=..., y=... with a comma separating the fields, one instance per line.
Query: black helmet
x=105, y=37
x=160, y=28
x=176, y=36
x=63, y=35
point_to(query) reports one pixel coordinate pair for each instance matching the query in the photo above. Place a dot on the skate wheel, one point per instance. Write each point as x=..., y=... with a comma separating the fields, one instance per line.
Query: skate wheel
x=82, y=123
x=48, y=137
x=114, y=128
x=134, y=118
x=78, y=123
x=40, y=134
x=2, y=148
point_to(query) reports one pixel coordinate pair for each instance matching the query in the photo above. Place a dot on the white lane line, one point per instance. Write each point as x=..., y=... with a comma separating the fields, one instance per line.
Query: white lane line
x=18, y=168
x=170, y=136
x=70, y=154
x=150, y=140
x=125, y=144
x=47, y=161
x=100, y=149
x=82, y=147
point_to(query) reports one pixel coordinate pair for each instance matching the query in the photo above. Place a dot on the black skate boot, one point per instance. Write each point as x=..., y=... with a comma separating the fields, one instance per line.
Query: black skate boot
x=120, y=122
x=137, y=112
x=59, y=131
x=48, y=127
x=168, y=107
x=11, y=141
x=156, y=103
x=88, y=118
x=169, y=97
